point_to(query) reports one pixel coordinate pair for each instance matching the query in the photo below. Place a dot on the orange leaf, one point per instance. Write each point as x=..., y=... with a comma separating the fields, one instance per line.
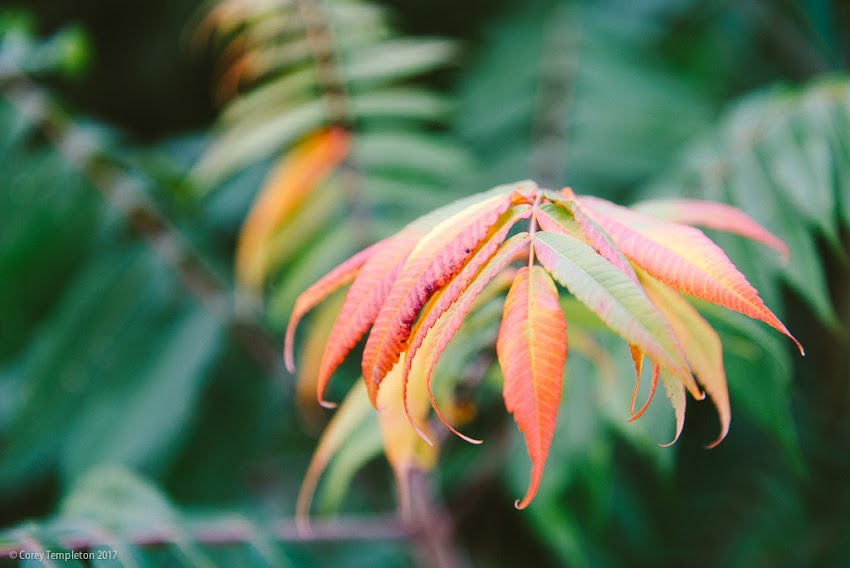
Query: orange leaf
x=712, y=215
x=374, y=271
x=637, y=357
x=656, y=369
x=298, y=174
x=681, y=257
x=532, y=351
x=700, y=343
x=451, y=320
x=438, y=257
x=324, y=287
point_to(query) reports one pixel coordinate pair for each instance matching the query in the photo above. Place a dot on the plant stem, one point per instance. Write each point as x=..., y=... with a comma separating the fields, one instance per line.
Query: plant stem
x=434, y=538
x=235, y=530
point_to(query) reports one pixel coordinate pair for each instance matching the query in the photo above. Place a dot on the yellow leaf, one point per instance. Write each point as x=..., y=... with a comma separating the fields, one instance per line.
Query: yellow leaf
x=303, y=169
x=404, y=448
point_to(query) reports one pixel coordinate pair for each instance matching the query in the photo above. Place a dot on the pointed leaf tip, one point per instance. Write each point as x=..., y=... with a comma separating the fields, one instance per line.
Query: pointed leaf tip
x=312, y=296
x=701, y=345
x=655, y=371
x=364, y=300
x=637, y=358
x=676, y=393
x=435, y=341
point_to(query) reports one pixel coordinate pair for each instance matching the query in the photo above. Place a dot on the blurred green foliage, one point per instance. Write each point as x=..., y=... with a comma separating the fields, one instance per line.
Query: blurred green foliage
x=140, y=412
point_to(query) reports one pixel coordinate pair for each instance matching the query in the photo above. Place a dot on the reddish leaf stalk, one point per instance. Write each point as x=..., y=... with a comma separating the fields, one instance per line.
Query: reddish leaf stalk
x=532, y=226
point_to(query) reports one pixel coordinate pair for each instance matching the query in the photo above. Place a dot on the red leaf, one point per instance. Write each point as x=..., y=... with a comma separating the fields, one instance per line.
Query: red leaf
x=376, y=271
x=451, y=320
x=532, y=351
x=438, y=257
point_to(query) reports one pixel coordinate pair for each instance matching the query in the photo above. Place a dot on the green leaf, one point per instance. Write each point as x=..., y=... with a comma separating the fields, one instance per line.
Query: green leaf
x=70, y=356
x=248, y=143
x=401, y=102
x=143, y=421
x=617, y=300
x=418, y=156
x=397, y=59
x=114, y=495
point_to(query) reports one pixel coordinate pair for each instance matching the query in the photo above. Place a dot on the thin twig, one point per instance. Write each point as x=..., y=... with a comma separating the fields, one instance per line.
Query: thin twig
x=318, y=27
x=323, y=49
x=234, y=530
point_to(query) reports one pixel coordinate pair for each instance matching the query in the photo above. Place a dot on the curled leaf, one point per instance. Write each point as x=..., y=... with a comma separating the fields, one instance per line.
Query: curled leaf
x=625, y=269
x=637, y=357
x=312, y=296
x=676, y=393
x=445, y=297
x=701, y=345
x=656, y=369
x=363, y=302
